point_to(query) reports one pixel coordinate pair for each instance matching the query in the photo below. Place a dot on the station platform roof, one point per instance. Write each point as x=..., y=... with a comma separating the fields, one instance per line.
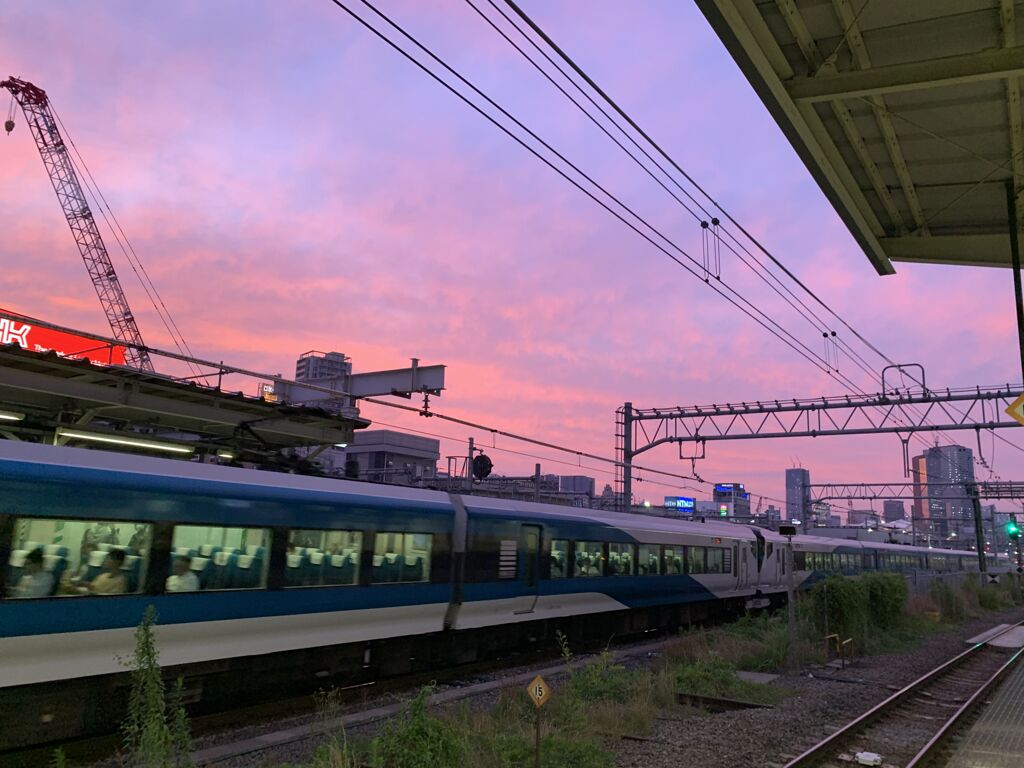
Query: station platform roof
x=907, y=114
x=40, y=393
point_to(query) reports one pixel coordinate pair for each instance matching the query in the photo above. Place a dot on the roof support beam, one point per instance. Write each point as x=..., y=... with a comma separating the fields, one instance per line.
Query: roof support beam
x=992, y=64
x=812, y=55
x=750, y=41
x=892, y=143
x=982, y=250
x=1009, y=26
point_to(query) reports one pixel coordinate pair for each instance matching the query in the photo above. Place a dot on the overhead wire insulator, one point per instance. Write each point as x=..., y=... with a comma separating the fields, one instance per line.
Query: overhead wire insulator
x=717, y=242
x=705, y=255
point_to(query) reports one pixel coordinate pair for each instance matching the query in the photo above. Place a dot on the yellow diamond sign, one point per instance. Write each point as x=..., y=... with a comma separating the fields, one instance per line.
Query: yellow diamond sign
x=539, y=691
x=1016, y=409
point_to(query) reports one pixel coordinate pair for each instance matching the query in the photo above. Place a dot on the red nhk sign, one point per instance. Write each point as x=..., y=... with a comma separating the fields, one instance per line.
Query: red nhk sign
x=15, y=330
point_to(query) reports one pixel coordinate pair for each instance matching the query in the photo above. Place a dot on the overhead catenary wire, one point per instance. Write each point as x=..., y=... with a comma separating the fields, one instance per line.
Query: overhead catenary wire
x=704, y=214
x=579, y=71
x=806, y=353
x=740, y=302
x=827, y=366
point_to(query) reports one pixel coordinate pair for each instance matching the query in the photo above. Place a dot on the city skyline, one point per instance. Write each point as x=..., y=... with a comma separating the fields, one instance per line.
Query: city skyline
x=363, y=209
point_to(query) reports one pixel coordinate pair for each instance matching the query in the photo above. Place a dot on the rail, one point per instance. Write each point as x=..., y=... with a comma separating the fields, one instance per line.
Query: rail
x=821, y=750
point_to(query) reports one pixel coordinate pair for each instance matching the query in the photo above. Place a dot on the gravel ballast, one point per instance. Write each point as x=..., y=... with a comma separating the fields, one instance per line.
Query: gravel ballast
x=816, y=708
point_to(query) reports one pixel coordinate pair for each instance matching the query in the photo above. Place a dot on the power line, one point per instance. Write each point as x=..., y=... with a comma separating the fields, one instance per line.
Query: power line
x=805, y=352
x=739, y=302
x=576, y=68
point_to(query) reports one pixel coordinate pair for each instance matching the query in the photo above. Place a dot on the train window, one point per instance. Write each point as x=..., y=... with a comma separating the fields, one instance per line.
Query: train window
x=401, y=557
x=648, y=561
x=716, y=560
x=53, y=557
x=620, y=559
x=673, y=558
x=589, y=558
x=799, y=561
x=559, y=558
x=211, y=558
x=318, y=558
x=695, y=560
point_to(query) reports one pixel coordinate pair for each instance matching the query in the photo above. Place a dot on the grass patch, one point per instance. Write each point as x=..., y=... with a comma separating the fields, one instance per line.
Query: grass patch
x=717, y=677
x=600, y=700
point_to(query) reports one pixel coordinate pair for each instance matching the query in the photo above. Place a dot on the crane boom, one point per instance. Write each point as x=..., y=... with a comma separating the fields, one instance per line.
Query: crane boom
x=36, y=107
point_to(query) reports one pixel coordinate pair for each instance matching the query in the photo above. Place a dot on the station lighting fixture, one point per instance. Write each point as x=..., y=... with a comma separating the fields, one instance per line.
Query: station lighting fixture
x=647, y=504
x=226, y=455
x=11, y=416
x=341, y=445
x=132, y=442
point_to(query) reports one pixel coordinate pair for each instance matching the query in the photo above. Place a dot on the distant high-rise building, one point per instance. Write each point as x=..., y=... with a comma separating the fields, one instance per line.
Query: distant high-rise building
x=892, y=509
x=321, y=365
x=821, y=513
x=735, y=495
x=948, y=506
x=798, y=494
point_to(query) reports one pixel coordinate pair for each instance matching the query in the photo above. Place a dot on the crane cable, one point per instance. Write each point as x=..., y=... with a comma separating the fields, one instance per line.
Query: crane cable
x=130, y=254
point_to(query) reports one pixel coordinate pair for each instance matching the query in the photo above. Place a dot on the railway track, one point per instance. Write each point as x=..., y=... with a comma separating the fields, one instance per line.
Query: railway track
x=912, y=727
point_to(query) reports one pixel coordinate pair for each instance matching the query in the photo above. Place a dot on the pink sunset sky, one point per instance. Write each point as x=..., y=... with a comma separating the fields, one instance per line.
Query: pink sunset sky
x=291, y=183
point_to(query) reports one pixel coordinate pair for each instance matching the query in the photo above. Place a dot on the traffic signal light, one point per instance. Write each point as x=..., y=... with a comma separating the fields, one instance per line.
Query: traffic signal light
x=1012, y=529
x=482, y=466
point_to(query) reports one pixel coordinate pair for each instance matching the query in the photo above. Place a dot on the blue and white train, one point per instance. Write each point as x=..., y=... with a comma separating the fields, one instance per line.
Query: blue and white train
x=282, y=583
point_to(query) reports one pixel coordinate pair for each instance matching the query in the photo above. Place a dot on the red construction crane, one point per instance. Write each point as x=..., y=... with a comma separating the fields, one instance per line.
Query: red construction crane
x=36, y=107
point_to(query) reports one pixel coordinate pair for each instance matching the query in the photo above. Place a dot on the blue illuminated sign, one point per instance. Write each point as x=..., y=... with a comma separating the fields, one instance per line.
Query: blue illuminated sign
x=684, y=504
x=728, y=487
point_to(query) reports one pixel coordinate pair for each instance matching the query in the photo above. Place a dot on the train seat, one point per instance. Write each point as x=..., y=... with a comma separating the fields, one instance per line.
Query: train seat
x=247, y=571
x=185, y=551
x=315, y=567
x=15, y=566
x=222, y=570
x=295, y=571
x=393, y=563
x=104, y=546
x=201, y=568
x=55, y=549
x=254, y=550
x=413, y=571
x=339, y=569
x=208, y=550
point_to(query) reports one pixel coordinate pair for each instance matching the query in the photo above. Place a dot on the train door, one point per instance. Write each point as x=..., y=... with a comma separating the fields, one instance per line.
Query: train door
x=742, y=565
x=529, y=568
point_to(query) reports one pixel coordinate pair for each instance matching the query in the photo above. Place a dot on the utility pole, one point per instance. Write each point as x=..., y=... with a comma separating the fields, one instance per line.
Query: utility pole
x=627, y=458
x=1011, y=209
x=789, y=531
x=469, y=466
x=979, y=530
x=536, y=482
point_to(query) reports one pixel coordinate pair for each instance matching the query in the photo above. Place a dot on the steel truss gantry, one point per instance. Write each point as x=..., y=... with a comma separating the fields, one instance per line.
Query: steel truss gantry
x=910, y=490
x=900, y=412
x=902, y=490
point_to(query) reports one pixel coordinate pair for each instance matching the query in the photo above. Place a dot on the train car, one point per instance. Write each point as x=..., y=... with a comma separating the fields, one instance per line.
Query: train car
x=267, y=583
x=817, y=558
